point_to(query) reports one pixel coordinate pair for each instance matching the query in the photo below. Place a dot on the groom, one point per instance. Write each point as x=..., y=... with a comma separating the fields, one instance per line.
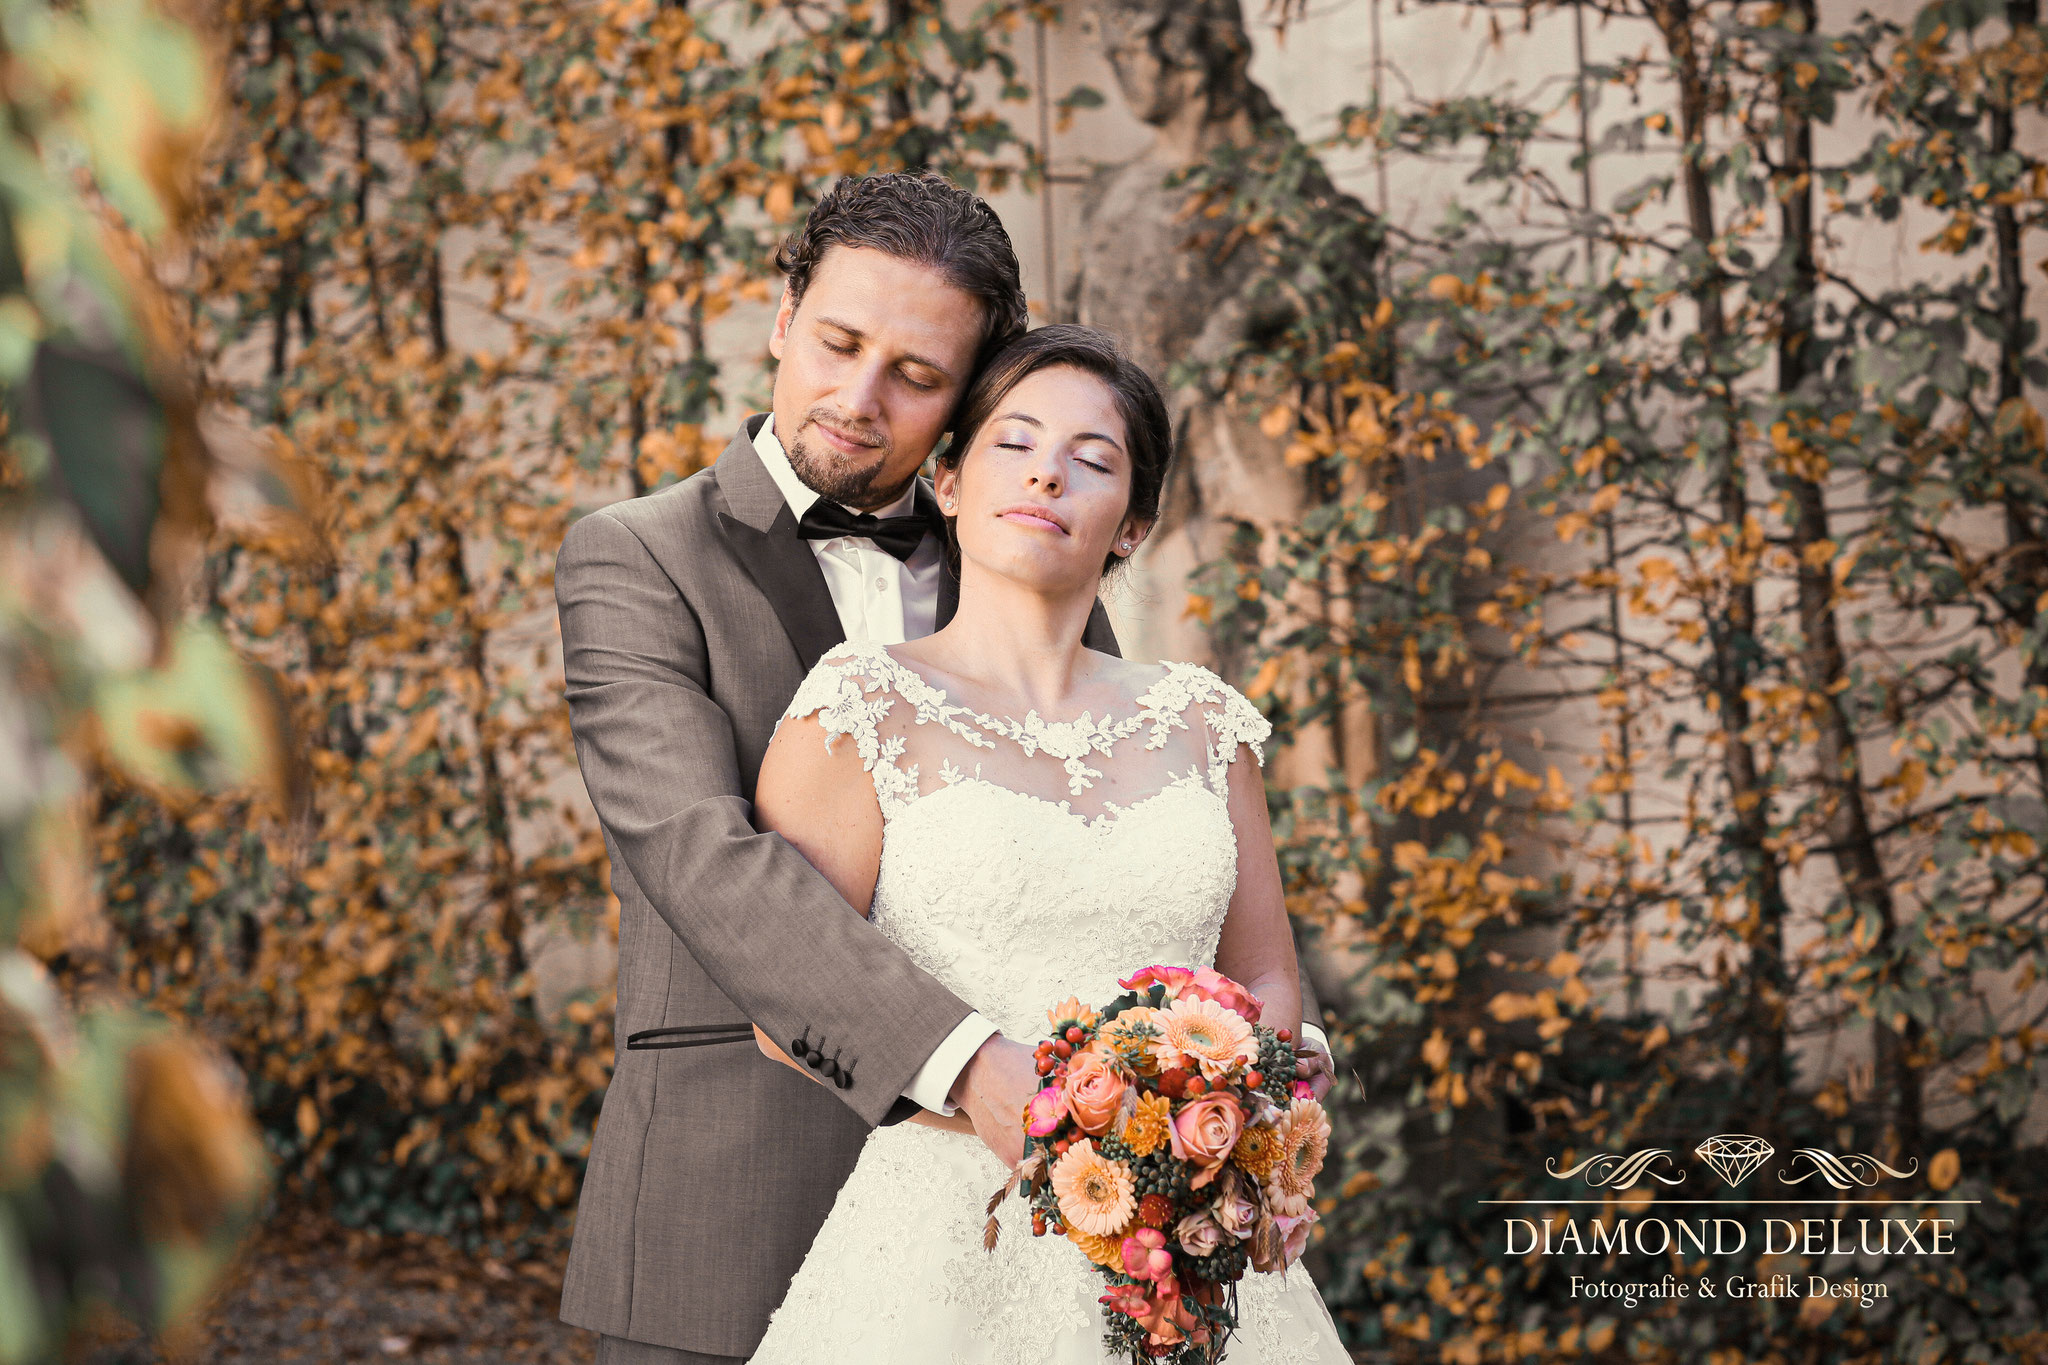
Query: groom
x=688, y=618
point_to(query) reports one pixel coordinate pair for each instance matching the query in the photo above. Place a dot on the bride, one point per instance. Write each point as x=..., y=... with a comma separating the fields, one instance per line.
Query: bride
x=1029, y=819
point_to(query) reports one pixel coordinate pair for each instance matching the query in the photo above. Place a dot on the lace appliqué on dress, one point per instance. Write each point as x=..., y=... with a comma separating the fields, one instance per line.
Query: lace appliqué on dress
x=843, y=689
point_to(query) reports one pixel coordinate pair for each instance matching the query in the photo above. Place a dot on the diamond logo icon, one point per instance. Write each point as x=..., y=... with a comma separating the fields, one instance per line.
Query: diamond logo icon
x=1734, y=1156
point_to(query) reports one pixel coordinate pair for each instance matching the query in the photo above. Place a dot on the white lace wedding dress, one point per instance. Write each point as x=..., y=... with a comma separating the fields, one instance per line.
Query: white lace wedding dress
x=1023, y=861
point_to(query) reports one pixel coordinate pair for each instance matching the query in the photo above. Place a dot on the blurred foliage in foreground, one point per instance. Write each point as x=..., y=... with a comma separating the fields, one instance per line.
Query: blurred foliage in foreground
x=128, y=1161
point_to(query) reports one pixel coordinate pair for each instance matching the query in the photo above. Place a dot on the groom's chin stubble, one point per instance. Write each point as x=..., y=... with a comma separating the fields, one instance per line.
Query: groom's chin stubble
x=835, y=479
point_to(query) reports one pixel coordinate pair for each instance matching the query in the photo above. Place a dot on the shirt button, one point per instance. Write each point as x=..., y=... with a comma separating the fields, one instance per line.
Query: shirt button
x=881, y=585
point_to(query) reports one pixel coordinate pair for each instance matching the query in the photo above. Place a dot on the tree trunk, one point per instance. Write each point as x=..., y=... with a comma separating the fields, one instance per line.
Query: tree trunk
x=1858, y=863
x=2029, y=572
x=1181, y=66
x=1733, y=635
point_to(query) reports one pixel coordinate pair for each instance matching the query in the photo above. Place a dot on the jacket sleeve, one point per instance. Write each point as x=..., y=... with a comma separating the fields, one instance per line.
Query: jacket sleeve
x=659, y=760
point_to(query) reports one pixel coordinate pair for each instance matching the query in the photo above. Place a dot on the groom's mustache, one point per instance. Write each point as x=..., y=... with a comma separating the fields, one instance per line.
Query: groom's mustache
x=860, y=433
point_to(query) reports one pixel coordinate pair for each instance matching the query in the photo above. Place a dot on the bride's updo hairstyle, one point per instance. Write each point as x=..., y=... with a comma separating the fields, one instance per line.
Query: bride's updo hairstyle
x=1148, y=431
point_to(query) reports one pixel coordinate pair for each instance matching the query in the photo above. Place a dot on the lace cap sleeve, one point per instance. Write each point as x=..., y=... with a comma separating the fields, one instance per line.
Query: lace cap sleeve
x=1232, y=720
x=849, y=695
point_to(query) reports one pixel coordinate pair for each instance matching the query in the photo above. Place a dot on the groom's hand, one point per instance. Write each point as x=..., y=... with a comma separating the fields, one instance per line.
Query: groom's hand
x=998, y=1081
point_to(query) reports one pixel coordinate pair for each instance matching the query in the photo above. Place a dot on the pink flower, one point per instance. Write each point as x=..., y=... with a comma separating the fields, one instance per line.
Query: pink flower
x=1210, y=984
x=1294, y=1234
x=1205, y=1130
x=1094, y=1092
x=1146, y=1256
x=1237, y=1213
x=1173, y=978
x=1128, y=1299
x=1293, y=1241
x=1042, y=1117
x=1198, y=1234
x=1302, y=1090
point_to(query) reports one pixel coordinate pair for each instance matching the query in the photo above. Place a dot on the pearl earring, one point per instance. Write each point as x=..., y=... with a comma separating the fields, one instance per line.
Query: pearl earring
x=1127, y=545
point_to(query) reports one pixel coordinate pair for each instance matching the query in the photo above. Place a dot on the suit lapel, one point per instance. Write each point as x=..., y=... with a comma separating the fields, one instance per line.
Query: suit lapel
x=760, y=530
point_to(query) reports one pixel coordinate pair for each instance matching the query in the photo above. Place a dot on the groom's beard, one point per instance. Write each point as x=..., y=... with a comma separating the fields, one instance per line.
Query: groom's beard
x=832, y=476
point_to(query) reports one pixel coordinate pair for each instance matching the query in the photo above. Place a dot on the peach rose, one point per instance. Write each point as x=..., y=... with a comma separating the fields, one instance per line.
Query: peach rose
x=1094, y=1092
x=1205, y=1130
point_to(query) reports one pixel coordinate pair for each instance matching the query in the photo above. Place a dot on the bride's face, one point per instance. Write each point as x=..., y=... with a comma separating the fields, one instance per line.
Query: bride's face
x=1042, y=495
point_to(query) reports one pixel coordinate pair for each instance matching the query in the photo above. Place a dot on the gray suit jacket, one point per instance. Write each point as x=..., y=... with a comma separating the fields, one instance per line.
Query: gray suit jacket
x=688, y=618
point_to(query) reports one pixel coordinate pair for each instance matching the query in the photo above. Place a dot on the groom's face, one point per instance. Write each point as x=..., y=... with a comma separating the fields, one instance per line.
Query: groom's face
x=873, y=359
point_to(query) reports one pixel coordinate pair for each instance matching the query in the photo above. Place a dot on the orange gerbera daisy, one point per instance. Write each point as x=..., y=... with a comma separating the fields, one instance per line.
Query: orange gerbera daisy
x=1146, y=1132
x=1257, y=1151
x=1095, y=1194
x=1104, y=1251
x=1304, y=1143
x=1201, y=1033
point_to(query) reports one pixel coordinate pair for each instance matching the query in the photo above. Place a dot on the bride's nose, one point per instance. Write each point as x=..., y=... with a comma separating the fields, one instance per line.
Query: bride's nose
x=1044, y=474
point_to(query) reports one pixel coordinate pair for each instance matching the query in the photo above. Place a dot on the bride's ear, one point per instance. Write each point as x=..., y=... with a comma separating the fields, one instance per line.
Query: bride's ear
x=946, y=484
x=1132, y=534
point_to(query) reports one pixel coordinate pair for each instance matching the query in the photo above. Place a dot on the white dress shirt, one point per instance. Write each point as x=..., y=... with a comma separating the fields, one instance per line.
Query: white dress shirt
x=882, y=599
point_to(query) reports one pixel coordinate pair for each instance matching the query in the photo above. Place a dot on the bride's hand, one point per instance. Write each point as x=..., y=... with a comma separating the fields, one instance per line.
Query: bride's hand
x=998, y=1082
x=1313, y=1063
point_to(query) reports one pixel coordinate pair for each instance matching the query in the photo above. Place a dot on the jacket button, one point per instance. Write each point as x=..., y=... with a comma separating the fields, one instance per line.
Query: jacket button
x=813, y=1057
x=799, y=1046
x=845, y=1081
x=830, y=1068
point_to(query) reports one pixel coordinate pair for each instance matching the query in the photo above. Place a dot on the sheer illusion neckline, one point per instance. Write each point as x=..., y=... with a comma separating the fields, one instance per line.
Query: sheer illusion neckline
x=1185, y=719
x=1146, y=705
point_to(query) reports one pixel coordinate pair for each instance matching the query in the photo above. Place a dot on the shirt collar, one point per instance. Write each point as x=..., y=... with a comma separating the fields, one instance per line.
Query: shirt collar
x=800, y=495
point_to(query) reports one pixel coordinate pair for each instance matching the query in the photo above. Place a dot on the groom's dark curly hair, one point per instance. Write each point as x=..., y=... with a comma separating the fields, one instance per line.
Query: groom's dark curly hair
x=924, y=218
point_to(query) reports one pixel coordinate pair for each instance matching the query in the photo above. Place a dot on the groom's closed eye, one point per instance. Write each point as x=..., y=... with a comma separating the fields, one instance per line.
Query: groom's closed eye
x=915, y=370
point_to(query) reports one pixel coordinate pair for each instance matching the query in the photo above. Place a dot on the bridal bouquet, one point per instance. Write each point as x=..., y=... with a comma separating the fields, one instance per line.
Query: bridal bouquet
x=1172, y=1144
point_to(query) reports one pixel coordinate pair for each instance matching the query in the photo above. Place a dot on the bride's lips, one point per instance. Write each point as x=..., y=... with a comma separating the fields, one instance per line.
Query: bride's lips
x=1031, y=514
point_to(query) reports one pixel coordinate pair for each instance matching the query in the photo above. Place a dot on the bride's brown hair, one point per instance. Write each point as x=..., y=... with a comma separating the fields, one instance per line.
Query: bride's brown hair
x=1148, y=431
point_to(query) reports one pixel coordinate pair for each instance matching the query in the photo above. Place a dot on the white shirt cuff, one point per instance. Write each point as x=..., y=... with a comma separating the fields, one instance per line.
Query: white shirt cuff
x=932, y=1086
x=1311, y=1033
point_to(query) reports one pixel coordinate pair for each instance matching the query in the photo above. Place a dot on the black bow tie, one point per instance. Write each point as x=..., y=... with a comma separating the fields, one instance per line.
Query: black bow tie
x=899, y=536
